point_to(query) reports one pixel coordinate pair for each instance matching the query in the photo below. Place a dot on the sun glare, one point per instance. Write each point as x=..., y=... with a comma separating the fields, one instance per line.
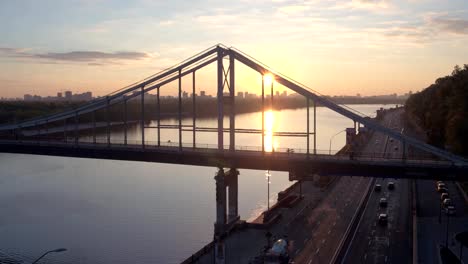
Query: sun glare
x=268, y=79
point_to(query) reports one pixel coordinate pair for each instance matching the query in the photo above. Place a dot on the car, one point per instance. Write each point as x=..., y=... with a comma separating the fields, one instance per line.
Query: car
x=441, y=185
x=391, y=185
x=395, y=148
x=377, y=187
x=439, y=182
x=383, y=202
x=383, y=219
x=391, y=140
x=450, y=210
x=444, y=196
x=447, y=202
x=442, y=190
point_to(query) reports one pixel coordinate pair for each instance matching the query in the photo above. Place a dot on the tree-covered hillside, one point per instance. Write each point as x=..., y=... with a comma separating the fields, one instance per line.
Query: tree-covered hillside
x=442, y=110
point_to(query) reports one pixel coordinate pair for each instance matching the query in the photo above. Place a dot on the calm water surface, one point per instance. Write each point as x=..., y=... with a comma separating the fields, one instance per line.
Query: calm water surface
x=134, y=212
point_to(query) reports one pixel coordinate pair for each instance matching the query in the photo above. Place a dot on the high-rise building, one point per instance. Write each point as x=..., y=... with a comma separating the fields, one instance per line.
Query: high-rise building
x=202, y=93
x=184, y=94
x=68, y=95
x=240, y=95
x=59, y=95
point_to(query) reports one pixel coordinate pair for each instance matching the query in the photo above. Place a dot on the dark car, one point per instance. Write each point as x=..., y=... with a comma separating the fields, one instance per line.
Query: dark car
x=383, y=219
x=444, y=196
x=383, y=202
x=450, y=210
x=391, y=185
x=377, y=187
x=442, y=190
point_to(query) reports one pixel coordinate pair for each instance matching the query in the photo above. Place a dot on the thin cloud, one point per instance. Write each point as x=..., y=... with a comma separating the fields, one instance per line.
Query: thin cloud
x=90, y=57
x=450, y=25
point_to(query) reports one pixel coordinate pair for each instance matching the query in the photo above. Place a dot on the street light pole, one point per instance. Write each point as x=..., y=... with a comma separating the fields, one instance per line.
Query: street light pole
x=51, y=251
x=331, y=138
x=268, y=175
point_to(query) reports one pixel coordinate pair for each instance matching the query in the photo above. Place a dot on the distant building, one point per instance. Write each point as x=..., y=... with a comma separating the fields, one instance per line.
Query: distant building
x=59, y=95
x=284, y=94
x=184, y=94
x=68, y=95
x=28, y=97
x=240, y=95
x=277, y=93
x=202, y=93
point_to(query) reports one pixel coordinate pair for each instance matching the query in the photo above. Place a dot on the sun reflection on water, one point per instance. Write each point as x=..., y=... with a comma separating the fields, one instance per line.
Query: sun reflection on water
x=270, y=141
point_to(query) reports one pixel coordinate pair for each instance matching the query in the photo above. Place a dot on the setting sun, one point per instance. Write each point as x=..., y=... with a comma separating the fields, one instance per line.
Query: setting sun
x=268, y=79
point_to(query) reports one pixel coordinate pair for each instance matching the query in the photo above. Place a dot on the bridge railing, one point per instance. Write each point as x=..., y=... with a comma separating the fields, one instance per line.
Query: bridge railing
x=210, y=148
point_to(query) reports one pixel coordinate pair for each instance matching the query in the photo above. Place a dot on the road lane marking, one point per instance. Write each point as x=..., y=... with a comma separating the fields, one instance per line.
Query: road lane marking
x=365, y=256
x=323, y=241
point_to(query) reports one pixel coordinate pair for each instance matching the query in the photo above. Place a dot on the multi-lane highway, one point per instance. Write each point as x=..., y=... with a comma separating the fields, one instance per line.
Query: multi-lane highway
x=391, y=243
x=318, y=239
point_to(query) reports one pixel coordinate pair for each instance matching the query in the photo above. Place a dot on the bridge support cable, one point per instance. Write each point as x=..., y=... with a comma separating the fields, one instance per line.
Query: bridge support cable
x=65, y=130
x=93, y=117
x=308, y=127
x=76, y=128
x=232, y=116
x=263, y=114
x=271, y=109
x=108, y=122
x=180, y=110
x=220, y=100
x=125, y=121
x=194, y=111
x=47, y=130
x=142, y=117
x=315, y=127
x=158, y=115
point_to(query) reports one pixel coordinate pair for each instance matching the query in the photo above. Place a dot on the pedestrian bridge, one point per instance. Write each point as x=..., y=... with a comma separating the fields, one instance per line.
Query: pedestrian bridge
x=59, y=134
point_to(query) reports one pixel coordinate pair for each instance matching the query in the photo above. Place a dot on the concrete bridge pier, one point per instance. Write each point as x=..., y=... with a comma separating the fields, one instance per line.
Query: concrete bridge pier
x=232, y=182
x=225, y=218
x=220, y=224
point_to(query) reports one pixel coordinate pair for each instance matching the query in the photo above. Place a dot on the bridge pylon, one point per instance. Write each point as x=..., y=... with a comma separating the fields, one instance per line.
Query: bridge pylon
x=224, y=218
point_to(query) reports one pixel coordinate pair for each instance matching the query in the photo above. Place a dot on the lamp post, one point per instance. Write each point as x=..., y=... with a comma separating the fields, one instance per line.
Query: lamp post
x=268, y=175
x=51, y=251
x=331, y=138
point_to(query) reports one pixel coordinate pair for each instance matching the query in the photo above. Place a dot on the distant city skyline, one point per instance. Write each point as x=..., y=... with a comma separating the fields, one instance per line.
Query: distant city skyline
x=335, y=47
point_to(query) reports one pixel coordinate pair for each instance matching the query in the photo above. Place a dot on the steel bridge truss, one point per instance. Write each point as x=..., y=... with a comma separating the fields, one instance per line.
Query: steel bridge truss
x=225, y=82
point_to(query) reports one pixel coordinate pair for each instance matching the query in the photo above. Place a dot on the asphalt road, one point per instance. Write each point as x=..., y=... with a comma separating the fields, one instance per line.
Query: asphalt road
x=431, y=232
x=317, y=240
x=374, y=243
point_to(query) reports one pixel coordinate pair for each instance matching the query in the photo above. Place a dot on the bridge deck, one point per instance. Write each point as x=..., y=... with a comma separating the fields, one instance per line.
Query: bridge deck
x=300, y=165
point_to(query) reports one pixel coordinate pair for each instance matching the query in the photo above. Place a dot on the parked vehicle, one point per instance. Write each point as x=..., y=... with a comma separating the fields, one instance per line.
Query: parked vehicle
x=442, y=190
x=377, y=187
x=447, y=202
x=444, y=196
x=450, y=210
x=383, y=202
x=383, y=219
x=441, y=185
x=391, y=185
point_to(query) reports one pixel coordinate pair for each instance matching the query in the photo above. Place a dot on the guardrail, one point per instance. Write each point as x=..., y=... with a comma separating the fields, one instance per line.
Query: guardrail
x=101, y=142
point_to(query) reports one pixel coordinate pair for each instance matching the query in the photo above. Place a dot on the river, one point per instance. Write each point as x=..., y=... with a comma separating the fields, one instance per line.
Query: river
x=135, y=212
